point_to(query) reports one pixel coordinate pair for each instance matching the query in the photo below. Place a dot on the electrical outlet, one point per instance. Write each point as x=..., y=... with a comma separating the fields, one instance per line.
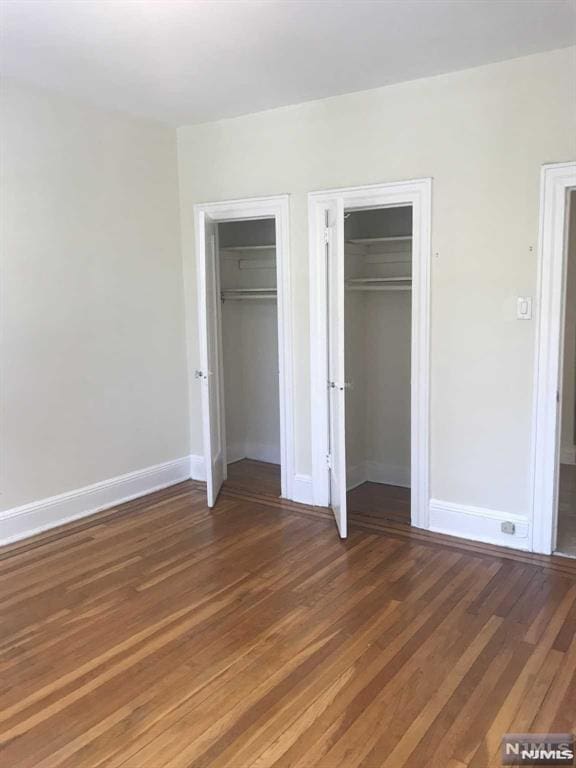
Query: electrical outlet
x=508, y=527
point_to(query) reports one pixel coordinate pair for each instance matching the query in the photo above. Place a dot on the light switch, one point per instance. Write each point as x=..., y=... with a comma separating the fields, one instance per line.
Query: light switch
x=524, y=308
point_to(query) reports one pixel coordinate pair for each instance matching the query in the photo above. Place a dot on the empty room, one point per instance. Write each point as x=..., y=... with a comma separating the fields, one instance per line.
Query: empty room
x=287, y=383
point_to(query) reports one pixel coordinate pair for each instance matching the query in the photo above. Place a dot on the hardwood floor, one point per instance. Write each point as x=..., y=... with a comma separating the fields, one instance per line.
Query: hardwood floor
x=370, y=503
x=376, y=502
x=248, y=475
x=165, y=635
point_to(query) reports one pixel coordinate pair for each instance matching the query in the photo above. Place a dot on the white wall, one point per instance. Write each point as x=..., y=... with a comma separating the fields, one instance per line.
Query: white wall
x=261, y=383
x=482, y=134
x=250, y=357
x=378, y=348
x=93, y=343
x=567, y=443
x=388, y=349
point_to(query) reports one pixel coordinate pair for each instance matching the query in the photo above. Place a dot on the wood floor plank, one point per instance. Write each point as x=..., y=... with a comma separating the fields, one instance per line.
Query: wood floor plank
x=168, y=635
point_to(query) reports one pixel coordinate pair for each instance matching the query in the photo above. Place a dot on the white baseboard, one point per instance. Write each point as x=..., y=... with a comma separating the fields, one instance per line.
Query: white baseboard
x=475, y=523
x=197, y=470
x=478, y=524
x=568, y=454
x=263, y=452
x=38, y=516
x=302, y=489
x=375, y=472
x=355, y=476
x=256, y=451
x=389, y=474
x=235, y=452
x=29, y=519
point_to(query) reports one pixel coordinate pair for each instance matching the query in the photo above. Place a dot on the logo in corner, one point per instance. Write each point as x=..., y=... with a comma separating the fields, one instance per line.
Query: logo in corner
x=538, y=749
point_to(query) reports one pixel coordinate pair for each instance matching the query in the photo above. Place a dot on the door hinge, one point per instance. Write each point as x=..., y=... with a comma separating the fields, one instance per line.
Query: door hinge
x=329, y=460
x=327, y=235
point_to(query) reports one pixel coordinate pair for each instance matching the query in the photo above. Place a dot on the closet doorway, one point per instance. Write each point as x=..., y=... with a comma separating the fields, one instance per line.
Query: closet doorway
x=370, y=257
x=245, y=368
x=554, y=455
x=566, y=505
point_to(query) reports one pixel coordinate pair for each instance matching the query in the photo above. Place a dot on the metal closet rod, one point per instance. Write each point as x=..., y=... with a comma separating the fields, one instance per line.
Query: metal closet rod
x=270, y=297
x=391, y=283
x=251, y=294
x=378, y=287
x=389, y=279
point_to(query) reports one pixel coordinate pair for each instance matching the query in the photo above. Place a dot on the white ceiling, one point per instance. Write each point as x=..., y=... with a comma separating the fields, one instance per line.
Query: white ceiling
x=191, y=61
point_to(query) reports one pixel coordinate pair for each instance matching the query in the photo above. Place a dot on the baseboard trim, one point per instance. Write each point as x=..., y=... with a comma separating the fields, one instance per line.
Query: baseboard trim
x=234, y=453
x=467, y=522
x=255, y=451
x=197, y=469
x=270, y=453
x=479, y=524
x=355, y=476
x=302, y=489
x=38, y=516
x=388, y=474
x=375, y=472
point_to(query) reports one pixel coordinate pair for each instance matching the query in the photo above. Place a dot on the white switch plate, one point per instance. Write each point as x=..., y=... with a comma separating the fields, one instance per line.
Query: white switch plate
x=524, y=308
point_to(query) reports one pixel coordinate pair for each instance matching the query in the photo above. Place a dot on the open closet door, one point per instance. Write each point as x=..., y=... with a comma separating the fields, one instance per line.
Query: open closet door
x=214, y=457
x=334, y=239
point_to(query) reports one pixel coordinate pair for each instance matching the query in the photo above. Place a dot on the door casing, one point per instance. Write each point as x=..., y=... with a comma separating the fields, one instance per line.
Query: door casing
x=417, y=194
x=275, y=207
x=555, y=182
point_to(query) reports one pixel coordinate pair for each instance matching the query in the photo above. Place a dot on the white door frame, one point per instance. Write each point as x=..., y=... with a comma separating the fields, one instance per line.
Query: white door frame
x=278, y=208
x=556, y=180
x=418, y=194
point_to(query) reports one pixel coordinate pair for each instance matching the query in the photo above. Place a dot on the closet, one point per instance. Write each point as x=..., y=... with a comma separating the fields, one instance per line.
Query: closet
x=378, y=343
x=566, y=496
x=249, y=349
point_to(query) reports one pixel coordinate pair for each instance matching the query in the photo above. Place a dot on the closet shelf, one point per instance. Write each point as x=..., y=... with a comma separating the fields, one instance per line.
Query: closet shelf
x=259, y=263
x=371, y=240
x=241, y=248
x=403, y=283
x=237, y=294
x=362, y=280
x=378, y=287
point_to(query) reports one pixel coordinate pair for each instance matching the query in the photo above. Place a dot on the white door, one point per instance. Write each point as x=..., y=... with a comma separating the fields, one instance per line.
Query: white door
x=210, y=357
x=334, y=237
